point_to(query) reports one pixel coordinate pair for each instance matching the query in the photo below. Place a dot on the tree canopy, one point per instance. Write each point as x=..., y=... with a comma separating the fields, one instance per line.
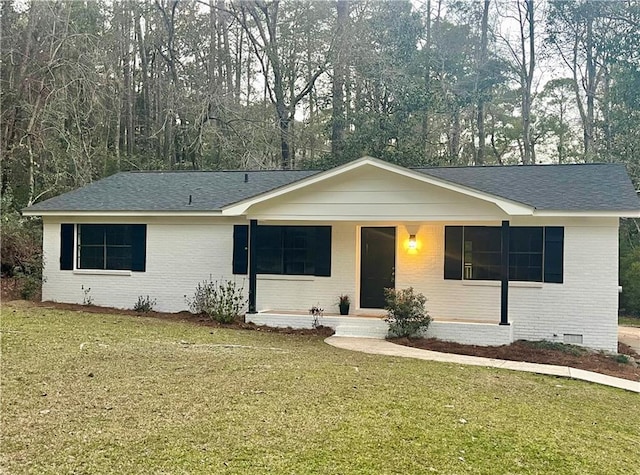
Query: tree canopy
x=93, y=87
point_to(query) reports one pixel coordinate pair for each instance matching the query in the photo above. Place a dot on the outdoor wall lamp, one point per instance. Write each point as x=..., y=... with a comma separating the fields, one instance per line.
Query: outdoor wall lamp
x=413, y=244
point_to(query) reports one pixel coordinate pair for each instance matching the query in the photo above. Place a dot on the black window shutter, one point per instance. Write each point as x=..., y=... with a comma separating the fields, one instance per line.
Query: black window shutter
x=323, y=251
x=453, y=252
x=138, y=247
x=66, y=246
x=553, y=254
x=240, y=248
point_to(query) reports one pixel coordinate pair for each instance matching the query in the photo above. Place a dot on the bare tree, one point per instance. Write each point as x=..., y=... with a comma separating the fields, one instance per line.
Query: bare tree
x=482, y=61
x=524, y=60
x=259, y=20
x=339, y=77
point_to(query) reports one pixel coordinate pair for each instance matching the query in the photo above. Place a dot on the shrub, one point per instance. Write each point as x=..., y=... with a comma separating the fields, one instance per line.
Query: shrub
x=87, y=299
x=630, y=281
x=20, y=248
x=622, y=359
x=316, y=312
x=221, y=301
x=144, y=304
x=31, y=285
x=630, y=267
x=406, y=313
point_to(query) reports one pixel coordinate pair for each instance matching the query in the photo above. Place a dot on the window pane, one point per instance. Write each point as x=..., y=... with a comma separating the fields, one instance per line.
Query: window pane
x=118, y=258
x=296, y=238
x=482, y=253
x=118, y=234
x=298, y=261
x=91, y=257
x=525, y=254
x=91, y=234
x=269, y=262
x=525, y=239
x=269, y=250
x=286, y=250
x=298, y=252
x=95, y=241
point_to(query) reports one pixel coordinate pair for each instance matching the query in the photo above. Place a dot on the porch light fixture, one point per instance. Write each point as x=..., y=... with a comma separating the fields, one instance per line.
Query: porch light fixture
x=413, y=244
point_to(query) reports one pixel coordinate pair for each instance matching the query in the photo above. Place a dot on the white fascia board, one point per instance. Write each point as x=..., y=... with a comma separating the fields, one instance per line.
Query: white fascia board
x=27, y=212
x=377, y=218
x=588, y=214
x=512, y=208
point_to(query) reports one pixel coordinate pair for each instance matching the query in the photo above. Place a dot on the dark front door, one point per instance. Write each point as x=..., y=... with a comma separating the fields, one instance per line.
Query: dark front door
x=377, y=265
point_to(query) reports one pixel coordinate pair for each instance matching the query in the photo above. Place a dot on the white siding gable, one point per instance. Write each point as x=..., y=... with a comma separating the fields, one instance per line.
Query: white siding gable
x=369, y=193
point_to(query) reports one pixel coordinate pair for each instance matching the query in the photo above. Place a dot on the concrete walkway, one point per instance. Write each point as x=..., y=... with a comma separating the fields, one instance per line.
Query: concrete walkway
x=630, y=336
x=383, y=347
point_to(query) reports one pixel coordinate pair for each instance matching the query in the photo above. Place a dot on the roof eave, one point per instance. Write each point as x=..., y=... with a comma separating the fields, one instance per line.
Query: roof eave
x=123, y=213
x=633, y=213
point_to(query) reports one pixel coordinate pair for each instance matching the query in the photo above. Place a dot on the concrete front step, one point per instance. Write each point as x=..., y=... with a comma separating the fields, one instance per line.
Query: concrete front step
x=368, y=330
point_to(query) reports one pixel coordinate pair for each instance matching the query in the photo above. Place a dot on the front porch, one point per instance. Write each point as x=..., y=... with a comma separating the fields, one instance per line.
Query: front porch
x=469, y=332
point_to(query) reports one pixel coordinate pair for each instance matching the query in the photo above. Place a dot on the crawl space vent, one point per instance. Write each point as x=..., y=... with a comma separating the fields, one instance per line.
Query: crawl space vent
x=573, y=339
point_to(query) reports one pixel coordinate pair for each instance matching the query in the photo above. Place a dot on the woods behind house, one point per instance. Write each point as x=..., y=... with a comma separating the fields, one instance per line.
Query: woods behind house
x=90, y=88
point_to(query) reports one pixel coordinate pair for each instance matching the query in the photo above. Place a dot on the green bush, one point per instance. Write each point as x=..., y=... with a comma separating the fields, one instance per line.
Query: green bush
x=21, y=248
x=406, y=313
x=630, y=282
x=144, y=304
x=630, y=267
x=622, y=359
x=221, y=301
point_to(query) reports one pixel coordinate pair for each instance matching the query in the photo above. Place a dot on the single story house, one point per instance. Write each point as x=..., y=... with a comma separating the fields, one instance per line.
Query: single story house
x=502, y=253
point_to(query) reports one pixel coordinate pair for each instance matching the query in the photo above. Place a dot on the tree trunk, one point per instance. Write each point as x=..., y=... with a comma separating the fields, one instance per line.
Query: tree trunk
x=590, y=90
x=454, y=137
x=481, y=66
x=339, y=73
x=144, y=63
x=128, y=80
x=263, y=39
x=527, y=81
x=427, y=80
x=606, y=115
x=29, y=136
x=226, y=51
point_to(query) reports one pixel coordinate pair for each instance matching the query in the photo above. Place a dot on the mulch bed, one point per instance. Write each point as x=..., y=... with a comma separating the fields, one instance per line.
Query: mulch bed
x=540, y=352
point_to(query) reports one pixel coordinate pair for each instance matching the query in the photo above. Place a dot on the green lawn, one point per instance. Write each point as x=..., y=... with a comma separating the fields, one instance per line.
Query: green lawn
x=629, y=321
x=91, y=393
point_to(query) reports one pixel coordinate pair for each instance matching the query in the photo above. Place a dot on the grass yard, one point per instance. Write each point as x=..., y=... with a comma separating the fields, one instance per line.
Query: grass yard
x=629, y=321
x=93, y=393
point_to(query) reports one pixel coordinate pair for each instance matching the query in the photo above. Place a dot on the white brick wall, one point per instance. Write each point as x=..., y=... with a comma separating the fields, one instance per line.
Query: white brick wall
x=587, y=302
x=182, y=252
x=302, y=292
x=343, y=325
x=484, y=334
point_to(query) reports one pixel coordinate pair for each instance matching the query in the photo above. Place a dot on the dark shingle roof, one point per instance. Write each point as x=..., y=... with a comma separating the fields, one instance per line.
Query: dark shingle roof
x=170, y=191
x=575, y=187
x=578, y=187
